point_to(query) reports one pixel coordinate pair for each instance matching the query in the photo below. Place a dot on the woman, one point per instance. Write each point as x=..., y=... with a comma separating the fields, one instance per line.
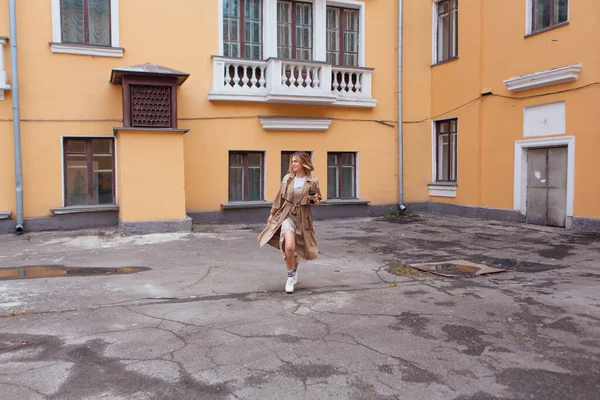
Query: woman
x=290, y=225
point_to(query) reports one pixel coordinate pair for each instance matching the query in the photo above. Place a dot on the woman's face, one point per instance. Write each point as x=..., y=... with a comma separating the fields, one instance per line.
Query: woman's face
x=296, y=166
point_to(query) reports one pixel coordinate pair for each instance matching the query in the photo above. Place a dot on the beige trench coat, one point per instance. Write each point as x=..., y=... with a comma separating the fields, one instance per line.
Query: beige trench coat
x=284, y=206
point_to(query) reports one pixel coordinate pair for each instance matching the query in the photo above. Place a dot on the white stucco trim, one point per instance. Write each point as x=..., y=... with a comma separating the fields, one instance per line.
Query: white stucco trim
x=3, y=80
x=295, y=123
x=442, y=190
x=62, y=162
x=56, y=46
x=549, y=77
x=520, y=170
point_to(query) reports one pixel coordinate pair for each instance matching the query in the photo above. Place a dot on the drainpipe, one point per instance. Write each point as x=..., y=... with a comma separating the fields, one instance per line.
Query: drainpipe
x=12, y=11
x=400, y=124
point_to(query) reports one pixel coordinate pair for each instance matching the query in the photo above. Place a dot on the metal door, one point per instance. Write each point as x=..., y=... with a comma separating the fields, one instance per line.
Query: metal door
x=547, y=186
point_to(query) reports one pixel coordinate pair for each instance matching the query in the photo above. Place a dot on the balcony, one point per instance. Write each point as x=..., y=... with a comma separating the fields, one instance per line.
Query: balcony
x=289, y=81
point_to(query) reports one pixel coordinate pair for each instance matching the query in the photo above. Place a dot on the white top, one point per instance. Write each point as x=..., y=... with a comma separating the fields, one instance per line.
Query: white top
x=299, y=182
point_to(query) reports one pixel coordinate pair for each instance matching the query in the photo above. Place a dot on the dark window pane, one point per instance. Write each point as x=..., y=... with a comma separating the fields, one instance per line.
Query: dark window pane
x=75, y=146
x=563, y=11
x=72, y=21
x=348, y=183
x=254, y=159
x=332, y=159
x=99, y=22
x=254, y=184
x=332, y=182
x=236, y=184
x=347, y=158
x=102, y=146
x=236, y=159
x=76, y=180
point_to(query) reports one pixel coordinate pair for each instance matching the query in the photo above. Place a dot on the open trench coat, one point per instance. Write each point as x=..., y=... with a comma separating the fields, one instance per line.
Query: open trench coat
x=284, y=206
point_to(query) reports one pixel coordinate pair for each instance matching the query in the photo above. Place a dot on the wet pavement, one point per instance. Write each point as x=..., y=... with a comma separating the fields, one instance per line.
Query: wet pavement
x=209, y=318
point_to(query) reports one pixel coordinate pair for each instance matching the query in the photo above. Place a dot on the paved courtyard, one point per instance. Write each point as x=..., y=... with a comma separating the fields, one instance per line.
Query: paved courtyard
x=210, y=319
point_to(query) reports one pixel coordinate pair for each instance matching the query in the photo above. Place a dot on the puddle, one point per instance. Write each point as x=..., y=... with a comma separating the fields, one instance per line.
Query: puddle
x=55, y=271
x=457, y=269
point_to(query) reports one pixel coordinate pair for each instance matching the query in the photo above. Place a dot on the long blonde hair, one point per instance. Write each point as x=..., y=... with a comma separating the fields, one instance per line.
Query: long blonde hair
x=305, y=161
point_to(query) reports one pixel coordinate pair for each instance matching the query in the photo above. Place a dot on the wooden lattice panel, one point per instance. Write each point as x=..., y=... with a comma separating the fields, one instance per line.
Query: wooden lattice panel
x=150, y=106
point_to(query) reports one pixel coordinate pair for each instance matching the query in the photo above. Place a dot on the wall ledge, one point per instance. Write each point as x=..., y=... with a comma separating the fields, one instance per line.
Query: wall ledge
x=236, y=205
x=5, y=214
x=442, y=189
x=86, y=50
x=84, y=209
x=348, y=202
x=273, y=123
x=118, y=129
x=549, y=77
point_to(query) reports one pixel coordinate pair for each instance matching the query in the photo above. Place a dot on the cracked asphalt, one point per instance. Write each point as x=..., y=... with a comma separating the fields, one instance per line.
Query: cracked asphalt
x=210, y=319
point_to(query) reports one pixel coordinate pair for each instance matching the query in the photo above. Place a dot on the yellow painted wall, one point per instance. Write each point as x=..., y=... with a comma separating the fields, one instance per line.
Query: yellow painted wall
x=150, y=176
x=65, y=94
x=492, y=48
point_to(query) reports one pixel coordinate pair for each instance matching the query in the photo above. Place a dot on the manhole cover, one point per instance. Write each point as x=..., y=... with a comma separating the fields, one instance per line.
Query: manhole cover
x=457, y=268
x=55, y=271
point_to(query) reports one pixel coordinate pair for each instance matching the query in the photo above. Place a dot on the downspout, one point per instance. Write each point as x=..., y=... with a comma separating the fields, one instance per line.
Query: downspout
x=12, y=11
x=400, y=124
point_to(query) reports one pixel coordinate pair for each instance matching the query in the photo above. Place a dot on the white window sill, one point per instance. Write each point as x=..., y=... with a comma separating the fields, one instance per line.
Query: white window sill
x=86, y=50
x=5, y=214
x=441, y=189
x=84, y=209
x=236, y=205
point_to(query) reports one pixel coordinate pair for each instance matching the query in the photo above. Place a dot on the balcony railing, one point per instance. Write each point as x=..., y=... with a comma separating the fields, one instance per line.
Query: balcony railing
x=290, y=81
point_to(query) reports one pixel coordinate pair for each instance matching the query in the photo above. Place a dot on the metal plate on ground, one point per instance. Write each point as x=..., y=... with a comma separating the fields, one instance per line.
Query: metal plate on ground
x=457, y=269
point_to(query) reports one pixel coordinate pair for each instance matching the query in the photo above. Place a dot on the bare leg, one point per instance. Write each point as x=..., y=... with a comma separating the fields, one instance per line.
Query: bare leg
x=289, y=246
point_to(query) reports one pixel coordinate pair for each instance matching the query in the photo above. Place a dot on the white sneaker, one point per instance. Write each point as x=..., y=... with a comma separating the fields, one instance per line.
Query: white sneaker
x=289, y=285
x=296, y=278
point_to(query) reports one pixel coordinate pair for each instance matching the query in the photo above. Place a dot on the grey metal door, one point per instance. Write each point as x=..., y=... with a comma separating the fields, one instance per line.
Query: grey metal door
x=547, y=186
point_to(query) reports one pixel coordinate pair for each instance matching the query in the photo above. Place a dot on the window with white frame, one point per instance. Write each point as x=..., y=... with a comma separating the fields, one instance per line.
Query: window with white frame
x=242, y=29
x=546, y=14
x=87, y=27
x=341, y=176
x=331, y=31
x=342, y=36
x=446, y=145
x=446, y=30
x=246, y=176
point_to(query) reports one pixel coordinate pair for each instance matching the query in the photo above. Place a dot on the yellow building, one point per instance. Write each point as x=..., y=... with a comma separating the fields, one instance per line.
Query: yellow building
x=500, y=109
x=152, y=114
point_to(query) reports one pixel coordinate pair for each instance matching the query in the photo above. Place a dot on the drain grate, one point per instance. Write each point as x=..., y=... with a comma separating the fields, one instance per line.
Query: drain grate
x=55, y=271
x=457, y=269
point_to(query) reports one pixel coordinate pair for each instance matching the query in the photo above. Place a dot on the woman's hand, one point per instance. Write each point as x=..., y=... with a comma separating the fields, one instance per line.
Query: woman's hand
x=269, y=220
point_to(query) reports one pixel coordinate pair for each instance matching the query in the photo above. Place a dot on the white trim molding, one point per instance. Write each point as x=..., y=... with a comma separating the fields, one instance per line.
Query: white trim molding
x=56, y=46
x=3, y=81
x=520, y=173
x=539, y=79
x=294, y=123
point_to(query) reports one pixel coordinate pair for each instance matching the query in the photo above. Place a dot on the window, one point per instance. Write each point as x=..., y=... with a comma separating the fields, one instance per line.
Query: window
x=89, y=171
x=242, y=29
x=447, y=30
x=547, y=13
x=85, y=22
x=285, y=160
x=446, y=149
x=342, y=36
x=294, y=30
x=246, y=180
x=341, y=175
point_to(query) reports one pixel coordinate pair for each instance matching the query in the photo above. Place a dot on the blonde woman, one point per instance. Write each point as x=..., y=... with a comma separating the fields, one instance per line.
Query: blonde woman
x=290, y=225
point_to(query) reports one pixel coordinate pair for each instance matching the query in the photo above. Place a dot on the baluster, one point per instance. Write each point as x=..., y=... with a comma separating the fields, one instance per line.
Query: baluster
x=343, y=85
x=335, y=81
x=236, y=76
x=309, y=71
x=316, y=80
x=253, y=80
x=263, y=79
x=358, y=86
x=227, y=77
x=293, y=72
x=284, y=71
x=245, y=79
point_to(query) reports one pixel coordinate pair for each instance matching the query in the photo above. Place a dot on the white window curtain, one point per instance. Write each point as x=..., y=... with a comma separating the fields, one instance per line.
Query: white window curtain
x=73, y=23
x=75, y=28
x=99, y=22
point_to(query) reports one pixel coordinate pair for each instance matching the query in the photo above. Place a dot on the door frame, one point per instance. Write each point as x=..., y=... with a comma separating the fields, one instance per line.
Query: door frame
x=520, y=172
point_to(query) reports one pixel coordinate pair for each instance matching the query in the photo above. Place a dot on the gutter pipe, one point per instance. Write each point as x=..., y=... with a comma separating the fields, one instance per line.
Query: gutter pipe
x=400, y=124
x=12, y=11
